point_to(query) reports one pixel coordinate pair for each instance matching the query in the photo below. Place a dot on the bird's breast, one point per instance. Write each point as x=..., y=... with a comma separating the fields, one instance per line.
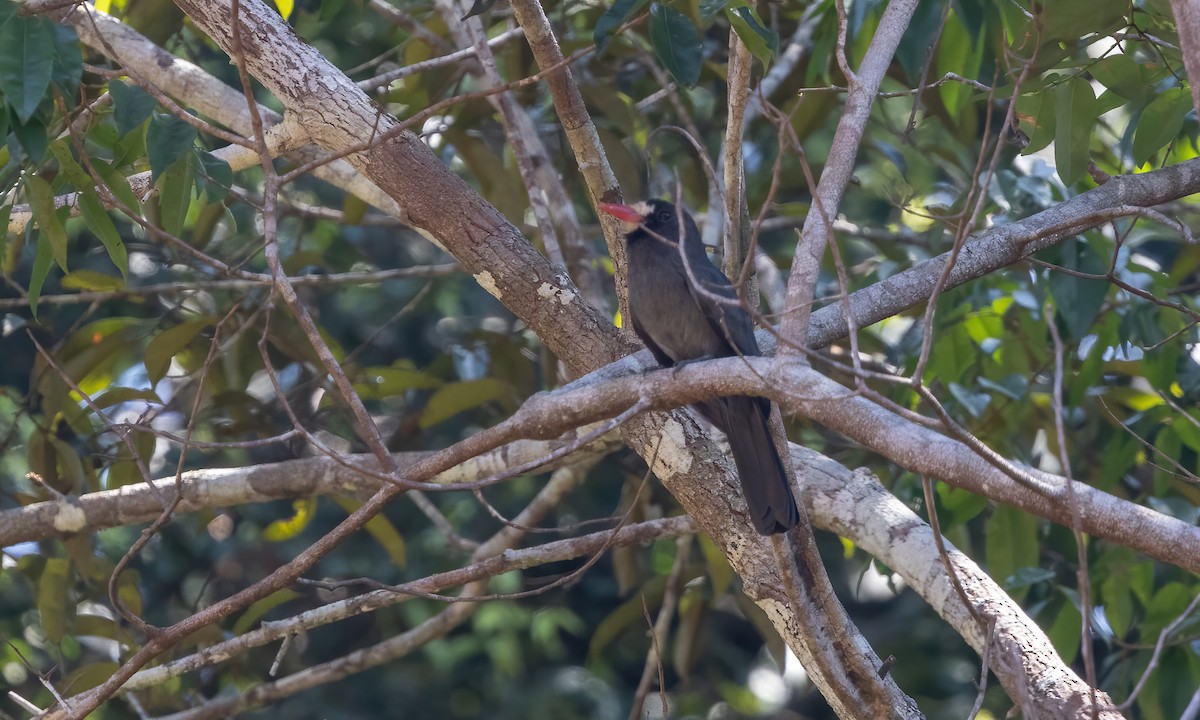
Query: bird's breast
x=665, y=312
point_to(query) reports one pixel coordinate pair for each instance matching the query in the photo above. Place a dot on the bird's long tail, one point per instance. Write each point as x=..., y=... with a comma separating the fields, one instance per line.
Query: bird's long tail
x=764, y=481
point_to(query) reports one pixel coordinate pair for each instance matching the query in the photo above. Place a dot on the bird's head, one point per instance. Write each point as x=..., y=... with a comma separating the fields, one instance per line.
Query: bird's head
x=658, y=217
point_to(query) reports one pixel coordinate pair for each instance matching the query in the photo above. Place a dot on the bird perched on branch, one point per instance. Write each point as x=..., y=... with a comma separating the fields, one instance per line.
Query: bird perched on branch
x=691, y=312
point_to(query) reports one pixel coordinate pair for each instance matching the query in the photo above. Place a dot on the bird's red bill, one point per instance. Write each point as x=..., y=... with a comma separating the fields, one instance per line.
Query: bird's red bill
x=622, y=212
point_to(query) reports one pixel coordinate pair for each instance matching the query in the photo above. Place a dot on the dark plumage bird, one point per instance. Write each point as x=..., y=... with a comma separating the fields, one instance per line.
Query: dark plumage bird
x=680, y=323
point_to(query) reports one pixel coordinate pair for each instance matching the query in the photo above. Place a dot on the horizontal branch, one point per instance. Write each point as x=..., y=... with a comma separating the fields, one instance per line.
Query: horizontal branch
x=800, y=390
x=1002, y=246
x=229, y=487
x=186, y=286
x=557, y=551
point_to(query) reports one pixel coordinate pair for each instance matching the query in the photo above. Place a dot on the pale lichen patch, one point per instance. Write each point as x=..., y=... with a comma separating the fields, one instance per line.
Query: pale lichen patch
x=69, y=518
x=487, y=282
x=556, y=294
x=673, y=456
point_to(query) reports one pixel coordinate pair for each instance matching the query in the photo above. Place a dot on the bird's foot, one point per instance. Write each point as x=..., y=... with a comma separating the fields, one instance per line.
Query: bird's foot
x=680, y=364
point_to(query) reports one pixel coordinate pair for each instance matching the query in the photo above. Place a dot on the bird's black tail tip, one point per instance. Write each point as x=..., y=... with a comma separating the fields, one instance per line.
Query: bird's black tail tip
x=778, y=519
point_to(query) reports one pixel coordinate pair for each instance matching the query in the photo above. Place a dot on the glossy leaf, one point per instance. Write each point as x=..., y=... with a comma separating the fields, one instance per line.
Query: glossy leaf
x=7, y=256
x=41, y=203
x=43, y=260
x=676, y=43
x=74, y=172
x=26, y=63
x=214, y=177
x=32, y=137
x=1011, y=544
x=168, y=343
x=454, y=398
x=614, y=17
x=1075, y=114
x=381, y=382
x=118, y=185
x=68, y=60
x=102, y=226
x=255, y=612
x=132, y=106
x=762, y=42
x=167, y=140
x=1078, y=300
x=91, y=280
x=52, y=598
x=1122, y=75
x=175, y=195
x=1064, y=632
x=1160, y=123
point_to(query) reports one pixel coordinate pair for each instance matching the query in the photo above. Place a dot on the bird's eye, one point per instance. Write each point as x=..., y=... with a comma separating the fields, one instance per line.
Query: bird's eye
x=663, y=215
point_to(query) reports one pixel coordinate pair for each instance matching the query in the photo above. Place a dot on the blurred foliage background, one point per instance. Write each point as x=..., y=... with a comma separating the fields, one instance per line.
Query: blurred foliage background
x=1101, y=91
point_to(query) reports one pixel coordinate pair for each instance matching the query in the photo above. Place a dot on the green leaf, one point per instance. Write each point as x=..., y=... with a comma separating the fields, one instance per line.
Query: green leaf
x=127, y=591
x=1119, y=73
x=118, y=185
x=168, y=343
x=1118, y=603
x=43, y=260
x=102, y=226
x=720, y=574
x=1075, y=113
x=958, y=506
x=6, y=265
x=1011, y=543
x=1065, y=632
x=175, y=196
x=1078, y=300
x=613, y=18
x=762, y=42
x=52, y=598
x=33, y=139
x=75, y=173
x=167, y=139
x=1168, y=603
x=215, y=177
x=91, y=280
x=1160, y=123
x=456, y=397
x=131, y=106
x=973, y=402
x=247, y=619
x=1035, y=113
x=68, y=60
x=381, y=382
x=1062, y=19
x=88, y=676
x=676, y=43
x=41, y=202
x=26, y=63
x=962, y=53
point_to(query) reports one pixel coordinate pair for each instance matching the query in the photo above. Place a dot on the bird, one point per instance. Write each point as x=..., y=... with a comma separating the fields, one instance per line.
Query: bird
x=682, y=322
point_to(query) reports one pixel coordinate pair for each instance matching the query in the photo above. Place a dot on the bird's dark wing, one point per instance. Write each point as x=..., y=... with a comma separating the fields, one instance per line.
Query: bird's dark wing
x=726, y=316
x=661, y=356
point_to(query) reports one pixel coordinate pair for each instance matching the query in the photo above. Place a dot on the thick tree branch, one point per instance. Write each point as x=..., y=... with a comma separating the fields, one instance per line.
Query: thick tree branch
x=839, y=166
x=229, y=487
